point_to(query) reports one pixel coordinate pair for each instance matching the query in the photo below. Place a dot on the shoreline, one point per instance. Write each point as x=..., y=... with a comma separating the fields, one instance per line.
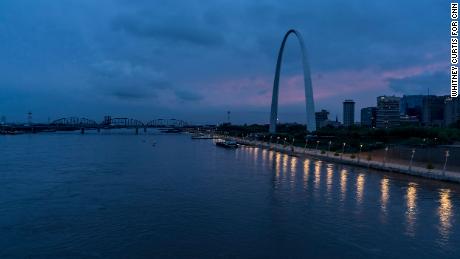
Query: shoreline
x=435, y=174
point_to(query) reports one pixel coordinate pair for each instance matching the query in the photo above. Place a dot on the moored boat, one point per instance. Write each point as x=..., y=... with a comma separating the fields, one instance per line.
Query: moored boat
x=227, y=144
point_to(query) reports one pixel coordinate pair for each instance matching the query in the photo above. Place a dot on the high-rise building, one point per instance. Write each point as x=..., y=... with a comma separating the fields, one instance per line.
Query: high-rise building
x=368, y=116
x=388, y=112
x=451, y=111
x=411, y=105
x=433, y=110
x=348, y=113
x=321, y=118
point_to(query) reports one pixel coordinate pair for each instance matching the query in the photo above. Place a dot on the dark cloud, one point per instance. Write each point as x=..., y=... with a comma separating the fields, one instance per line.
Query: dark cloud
x=127, y=81
x=187, y=96
x=172, y=29
x=438, y=83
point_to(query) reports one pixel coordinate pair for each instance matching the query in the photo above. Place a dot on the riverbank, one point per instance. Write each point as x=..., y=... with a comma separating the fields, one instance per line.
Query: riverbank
x=357, y=160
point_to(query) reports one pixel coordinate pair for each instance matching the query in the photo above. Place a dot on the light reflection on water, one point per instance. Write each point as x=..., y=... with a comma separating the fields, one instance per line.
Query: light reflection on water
x=317, y=173
x=343, y=184
x=360, y=188
x=384, y=195
x=445, y=213
x=306, y=171
x=330, y=172
x=289, y=166
x=411, y=211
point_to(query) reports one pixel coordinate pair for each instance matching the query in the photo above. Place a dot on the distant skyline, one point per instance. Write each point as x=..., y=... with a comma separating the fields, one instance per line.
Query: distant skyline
x=195, y=60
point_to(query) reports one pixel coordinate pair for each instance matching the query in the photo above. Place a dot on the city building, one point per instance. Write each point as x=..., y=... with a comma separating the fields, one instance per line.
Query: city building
x=321, y=118
x=411, y=105
x=433, y=110
x=348, y=113
x=451, y=111
x=388, y=112
x=368, y=116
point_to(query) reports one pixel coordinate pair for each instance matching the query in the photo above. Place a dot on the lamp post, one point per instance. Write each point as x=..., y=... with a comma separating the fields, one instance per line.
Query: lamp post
x=329, y=150
x=277, y=140
x=359, y=153
x=306, y=144
x=284, y=142
x=317, y=143
x=385, y=156
x=343, y=150
x=292, y=145
x=445, y=163
x=411, y=159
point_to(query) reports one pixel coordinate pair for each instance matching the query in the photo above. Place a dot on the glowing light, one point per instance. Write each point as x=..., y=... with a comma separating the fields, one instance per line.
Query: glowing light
x=385, y=194
x=285, y=162
x=277, y=164
x=329, y=175
x=360, y=187
x=445, y=213
x=411, y=204
x=306, y=171
x=317, y=174
x=343, y=183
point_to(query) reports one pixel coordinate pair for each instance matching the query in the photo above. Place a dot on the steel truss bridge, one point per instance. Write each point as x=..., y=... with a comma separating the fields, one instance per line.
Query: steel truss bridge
x=73, y=123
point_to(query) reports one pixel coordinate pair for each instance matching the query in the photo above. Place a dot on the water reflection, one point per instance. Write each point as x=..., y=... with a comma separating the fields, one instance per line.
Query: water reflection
x=411, y=212
x=285, y=162
x=330, y=172
x=445, y=213
x=306, y=171
x=359, y=188
x=293, y=169
x=277, y=165
x=317, y=174
x=343, y=183
x=384, y=194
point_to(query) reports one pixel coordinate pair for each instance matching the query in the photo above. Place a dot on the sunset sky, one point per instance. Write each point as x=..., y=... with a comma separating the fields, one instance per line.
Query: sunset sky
x=194, y=60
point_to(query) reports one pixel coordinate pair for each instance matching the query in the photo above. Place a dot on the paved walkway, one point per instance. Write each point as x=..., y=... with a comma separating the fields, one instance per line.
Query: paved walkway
x=362, y=161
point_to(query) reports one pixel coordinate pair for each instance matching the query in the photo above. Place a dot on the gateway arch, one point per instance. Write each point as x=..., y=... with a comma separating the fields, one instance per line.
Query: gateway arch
x=310, y=105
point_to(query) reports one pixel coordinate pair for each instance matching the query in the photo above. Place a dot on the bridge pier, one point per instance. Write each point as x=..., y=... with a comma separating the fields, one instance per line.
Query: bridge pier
x=145, y=129
x=137, y=130
x=82, y=131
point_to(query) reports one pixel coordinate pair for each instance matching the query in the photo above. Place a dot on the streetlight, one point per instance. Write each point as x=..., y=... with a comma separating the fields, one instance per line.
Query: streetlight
x=284, y=142
x=411, y=158
x=359, y=153
x=306, y=143
x=445, y=163
x=277, y=140
x=385, y=156
x=317, y=143
x=343, y=150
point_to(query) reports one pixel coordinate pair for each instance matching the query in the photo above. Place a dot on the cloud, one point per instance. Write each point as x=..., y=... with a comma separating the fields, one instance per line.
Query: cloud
x=125, y=80
x=171, y=29
x=437, y=82
x=184, y=95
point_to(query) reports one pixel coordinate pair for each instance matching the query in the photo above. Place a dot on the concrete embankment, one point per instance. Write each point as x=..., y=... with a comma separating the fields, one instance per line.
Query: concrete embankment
x=358, y=161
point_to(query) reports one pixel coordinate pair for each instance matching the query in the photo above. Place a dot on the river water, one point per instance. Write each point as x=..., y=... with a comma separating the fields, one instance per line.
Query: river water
x=115, y=195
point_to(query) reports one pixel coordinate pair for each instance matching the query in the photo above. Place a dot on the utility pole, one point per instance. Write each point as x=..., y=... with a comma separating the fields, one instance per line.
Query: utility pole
x=228, y=117
x=29, y=118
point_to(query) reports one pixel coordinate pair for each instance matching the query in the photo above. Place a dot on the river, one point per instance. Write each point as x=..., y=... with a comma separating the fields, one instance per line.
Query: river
x=116, y=195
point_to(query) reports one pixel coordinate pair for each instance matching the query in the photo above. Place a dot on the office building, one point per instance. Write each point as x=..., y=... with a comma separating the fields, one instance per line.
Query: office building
x=348, y=113
x=321, y=118
x=388, y=112
x=368, y=116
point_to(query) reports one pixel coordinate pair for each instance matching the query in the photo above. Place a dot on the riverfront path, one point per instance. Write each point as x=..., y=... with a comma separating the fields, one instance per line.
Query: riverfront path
x=357, y=161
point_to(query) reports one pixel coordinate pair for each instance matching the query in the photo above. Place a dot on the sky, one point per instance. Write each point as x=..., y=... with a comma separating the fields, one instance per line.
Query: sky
x=196, y=60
